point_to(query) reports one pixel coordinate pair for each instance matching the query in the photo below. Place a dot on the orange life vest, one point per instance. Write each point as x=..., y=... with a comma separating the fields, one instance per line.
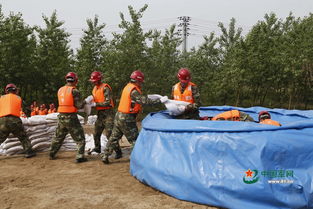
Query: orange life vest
x=42, y=112
x=98, y=95
x=35, y=111
x=186, y=96
x=52, y=111
x=125, y=101
x=233, y=115
x=66, y=100
x=22, y=114
x=10, y=104
x=270, y=122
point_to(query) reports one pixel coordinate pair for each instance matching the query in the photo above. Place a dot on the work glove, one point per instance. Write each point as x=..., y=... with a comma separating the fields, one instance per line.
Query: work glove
x=164, y=99
x=89, y=99
x=93, y=104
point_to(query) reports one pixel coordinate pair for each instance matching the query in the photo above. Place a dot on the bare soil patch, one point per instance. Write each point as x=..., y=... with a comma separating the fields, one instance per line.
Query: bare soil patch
x=42, y=183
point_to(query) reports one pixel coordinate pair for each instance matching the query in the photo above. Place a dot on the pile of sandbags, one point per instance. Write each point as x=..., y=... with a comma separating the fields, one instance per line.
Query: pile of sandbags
x=40, y=130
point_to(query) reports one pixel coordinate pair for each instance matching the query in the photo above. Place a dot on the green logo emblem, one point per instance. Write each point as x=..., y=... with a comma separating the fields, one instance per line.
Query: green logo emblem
x=251, y=177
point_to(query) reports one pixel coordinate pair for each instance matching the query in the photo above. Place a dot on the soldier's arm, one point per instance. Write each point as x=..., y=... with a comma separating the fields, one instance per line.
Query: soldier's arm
x=136, y=97
x=172, y=93
x=196, y=97
x=108, y=96
x=78, y=101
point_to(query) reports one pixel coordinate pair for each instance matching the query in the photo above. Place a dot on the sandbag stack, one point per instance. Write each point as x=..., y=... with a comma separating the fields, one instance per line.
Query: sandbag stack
x=40, y=130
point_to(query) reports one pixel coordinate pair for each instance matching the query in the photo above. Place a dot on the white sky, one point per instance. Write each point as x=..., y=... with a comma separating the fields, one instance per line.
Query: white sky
x=205, y=14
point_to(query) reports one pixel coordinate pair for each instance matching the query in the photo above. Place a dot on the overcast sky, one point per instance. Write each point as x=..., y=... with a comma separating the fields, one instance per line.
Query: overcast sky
x=205, y=14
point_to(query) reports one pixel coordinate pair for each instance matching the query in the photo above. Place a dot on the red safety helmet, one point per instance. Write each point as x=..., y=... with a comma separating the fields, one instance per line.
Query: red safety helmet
x=184, y=75
x=10, y=87
x=95, y=76
x=71, y=77
x=137, y=75
x=264, y=115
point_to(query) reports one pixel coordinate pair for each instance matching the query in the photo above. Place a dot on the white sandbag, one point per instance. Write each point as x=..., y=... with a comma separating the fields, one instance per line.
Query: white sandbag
x=39, y=135
x=25, y=121
x=8, y=140
x=37, y=120
x=7, y=146
x=52, y=116
x=154, y=97
x=35, y=128
x=92, y=119
x=175, y=107
x=86, y=109
x=40, y=140
x=51, y=129
x=14, y=150
x=41, y=145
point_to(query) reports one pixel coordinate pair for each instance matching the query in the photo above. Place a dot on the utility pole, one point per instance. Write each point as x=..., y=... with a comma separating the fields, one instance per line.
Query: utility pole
x=184, y=24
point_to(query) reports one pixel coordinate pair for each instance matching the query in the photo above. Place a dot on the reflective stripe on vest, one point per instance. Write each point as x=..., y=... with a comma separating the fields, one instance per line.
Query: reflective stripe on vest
x=10, y=104
x=270, y=122
x=125, y=101
x=186, y=96
x=66, y=100
x=233, y=115
x=98, y=95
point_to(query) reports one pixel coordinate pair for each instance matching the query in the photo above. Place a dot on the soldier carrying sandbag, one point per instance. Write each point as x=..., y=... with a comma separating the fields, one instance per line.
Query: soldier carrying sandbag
x=69, y=102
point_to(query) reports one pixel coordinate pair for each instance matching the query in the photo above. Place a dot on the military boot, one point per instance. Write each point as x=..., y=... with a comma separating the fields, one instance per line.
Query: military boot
x=52, y=156
x=30, y=154
x=81, y=160
x=105, y=159
x=118, y=154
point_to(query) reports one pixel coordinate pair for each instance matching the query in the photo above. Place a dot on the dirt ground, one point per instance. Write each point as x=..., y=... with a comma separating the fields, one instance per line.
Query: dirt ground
x=42, y=183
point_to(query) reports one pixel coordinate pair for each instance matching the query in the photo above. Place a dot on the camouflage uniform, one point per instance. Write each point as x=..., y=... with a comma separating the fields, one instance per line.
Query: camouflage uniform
x=126, y=124
x=245, y=117
x=192, y=110
x=104, y=121
x=13, y=124
x=69, y=123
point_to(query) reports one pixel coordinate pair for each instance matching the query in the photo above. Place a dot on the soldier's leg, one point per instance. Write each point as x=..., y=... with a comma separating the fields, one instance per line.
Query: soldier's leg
x=57, y=142
x=130, y=131
x=18, y=131
x=99, y=127
x=4, y=132
x=112, y=143
x=77, y=132
x=109, y=123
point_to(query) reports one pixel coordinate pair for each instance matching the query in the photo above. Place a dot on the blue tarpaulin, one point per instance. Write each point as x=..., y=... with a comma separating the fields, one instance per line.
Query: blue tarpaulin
x=229, y=164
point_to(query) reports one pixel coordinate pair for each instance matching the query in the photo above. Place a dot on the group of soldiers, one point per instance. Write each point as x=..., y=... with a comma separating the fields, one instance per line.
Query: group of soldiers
x=124, y=121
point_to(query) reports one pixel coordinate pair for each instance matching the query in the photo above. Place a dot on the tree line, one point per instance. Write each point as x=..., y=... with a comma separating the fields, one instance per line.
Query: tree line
x=272, y=65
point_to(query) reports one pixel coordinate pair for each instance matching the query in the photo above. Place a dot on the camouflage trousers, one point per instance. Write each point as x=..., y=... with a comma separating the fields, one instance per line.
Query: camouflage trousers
x=105, y=120
x=68, y=123
x=12, y=124
x=124, y=124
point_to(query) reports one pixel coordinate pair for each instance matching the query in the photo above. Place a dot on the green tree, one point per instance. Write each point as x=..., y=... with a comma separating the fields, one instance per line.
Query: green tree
x=127, y=51
x=55, y=58
x=17, y=50
x=89, y=55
